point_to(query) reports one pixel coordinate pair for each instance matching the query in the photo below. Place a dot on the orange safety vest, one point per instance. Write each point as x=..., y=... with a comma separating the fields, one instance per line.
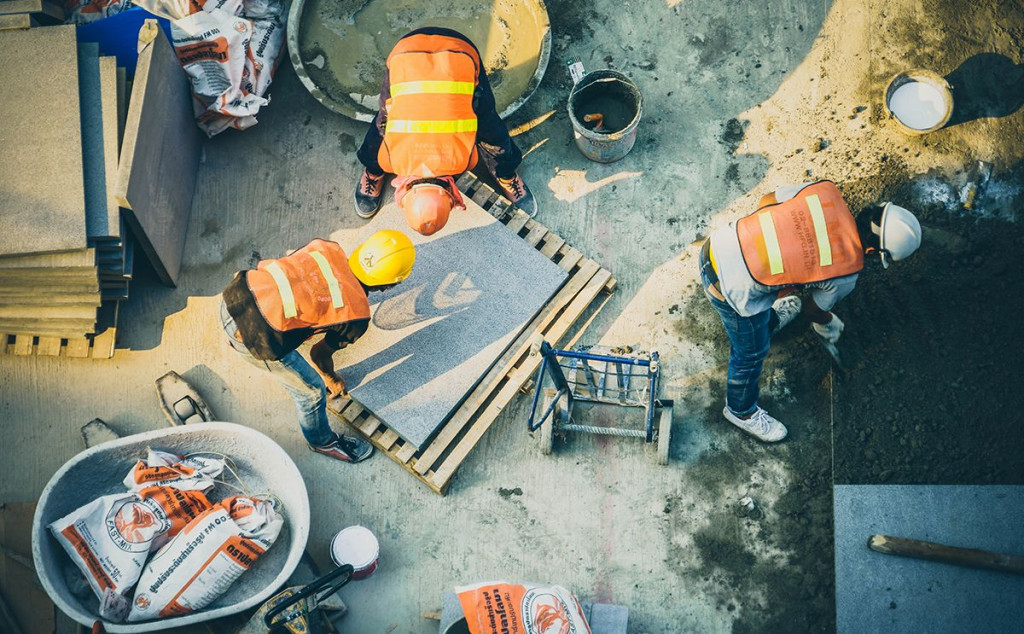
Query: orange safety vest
x=431, y=125
x=808, y=238
x=311, y=288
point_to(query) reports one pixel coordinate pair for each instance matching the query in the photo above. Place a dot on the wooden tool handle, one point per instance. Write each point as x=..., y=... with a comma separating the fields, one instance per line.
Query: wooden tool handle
x=946, y=554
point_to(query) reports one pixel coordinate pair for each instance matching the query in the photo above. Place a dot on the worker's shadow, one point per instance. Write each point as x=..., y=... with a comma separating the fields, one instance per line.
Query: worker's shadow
x=986, y=85
x=441, y=317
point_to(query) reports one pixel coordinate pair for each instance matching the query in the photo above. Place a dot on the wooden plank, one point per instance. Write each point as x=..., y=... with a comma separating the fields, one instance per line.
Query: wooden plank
x=3, y=343
x=534, y=237
x=443, y=474
x=23, y=345
x=504, y=364
x=518, y=220
x=387, y=439
x=571, y=259
x=552, y=243
x=77, y=348
x=48, y=346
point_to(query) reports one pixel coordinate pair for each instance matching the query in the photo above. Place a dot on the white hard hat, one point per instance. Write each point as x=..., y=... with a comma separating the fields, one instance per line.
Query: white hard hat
x=899, y=234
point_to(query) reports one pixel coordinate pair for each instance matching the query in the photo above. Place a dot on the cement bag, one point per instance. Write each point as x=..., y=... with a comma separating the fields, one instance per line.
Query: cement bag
x=500, y=607
x=178, y=9
x=202, y=561
x=160, y=468
x=109, y=539
x=86, y=11
x=264, y=53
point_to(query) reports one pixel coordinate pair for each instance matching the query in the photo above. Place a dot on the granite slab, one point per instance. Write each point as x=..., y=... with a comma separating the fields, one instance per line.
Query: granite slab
x=886, y=593
x=42, y=194
x=159, y=158
x=474, y=287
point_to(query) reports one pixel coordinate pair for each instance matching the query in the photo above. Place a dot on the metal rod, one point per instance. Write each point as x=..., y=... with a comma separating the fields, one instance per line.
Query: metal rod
x=569, y=354
x=603, y=431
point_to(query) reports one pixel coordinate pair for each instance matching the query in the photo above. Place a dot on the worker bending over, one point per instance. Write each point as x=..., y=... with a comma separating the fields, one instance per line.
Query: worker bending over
x=268, y=312
x=437, y=117
x=801, y=237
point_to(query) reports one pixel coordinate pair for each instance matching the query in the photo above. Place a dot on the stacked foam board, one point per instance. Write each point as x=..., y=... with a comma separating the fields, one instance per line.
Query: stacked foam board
x=63, y=249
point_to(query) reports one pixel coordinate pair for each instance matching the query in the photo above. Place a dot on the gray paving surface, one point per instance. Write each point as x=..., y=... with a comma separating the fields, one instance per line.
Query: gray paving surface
x=474, y=287
x=41, y=188
x=884, y=593
x=159, y=157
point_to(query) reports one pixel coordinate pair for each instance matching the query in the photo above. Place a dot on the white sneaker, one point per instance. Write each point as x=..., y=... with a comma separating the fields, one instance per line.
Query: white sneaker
x=761, y=424
x=787, y=308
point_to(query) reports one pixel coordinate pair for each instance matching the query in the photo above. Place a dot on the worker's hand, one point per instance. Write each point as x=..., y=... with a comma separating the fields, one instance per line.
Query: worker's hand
x=830, y=331
x=336, y=386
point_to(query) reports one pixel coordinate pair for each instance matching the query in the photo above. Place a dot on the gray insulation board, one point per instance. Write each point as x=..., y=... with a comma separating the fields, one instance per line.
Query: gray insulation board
x=474, y=287
x=111, y=141
x=42, y=197
x=886, y=593
x=94, y=168
x=159, y=158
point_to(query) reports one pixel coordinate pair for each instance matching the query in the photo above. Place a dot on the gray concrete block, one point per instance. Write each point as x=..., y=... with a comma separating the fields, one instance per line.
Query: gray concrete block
x=474, y=287
x=111, y=141
x=886, y=593
x=159, y=158
x=42, y=194
x=93, y=161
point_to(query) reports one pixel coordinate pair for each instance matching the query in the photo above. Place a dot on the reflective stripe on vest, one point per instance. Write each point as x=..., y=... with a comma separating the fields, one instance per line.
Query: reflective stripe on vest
x=808, y=238
x=433, y=87
x=284, y=287
x=332, y=282
x=431, y=127
x=310, y=288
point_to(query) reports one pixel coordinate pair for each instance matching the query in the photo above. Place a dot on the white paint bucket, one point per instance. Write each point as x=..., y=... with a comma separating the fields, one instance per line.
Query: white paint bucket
x=920, y=101
x=358, y=547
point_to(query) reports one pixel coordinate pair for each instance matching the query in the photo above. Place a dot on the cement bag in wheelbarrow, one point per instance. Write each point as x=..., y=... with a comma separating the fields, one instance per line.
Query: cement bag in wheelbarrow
x=261, y=463
x=498, y=607
x=202, y=561
x=110, y=539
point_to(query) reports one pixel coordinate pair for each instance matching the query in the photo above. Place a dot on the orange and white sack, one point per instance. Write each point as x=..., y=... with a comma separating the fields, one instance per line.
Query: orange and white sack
x=202, y=561
x=160, y=468
x=499, y=607
x=178, y=9
x=110, y=538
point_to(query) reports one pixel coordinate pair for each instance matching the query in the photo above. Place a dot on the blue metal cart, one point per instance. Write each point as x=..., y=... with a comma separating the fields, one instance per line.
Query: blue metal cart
x=598, y=374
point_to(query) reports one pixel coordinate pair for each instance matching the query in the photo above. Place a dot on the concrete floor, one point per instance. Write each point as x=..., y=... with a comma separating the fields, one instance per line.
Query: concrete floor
x=737, y=96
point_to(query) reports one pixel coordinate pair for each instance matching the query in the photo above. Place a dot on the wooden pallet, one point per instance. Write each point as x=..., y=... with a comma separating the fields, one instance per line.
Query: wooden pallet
x=436, y=464
x=94, y=346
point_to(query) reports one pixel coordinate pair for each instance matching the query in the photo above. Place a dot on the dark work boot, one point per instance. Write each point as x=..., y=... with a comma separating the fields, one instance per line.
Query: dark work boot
x=345, y=448
x=515, y=190
x=369, y=193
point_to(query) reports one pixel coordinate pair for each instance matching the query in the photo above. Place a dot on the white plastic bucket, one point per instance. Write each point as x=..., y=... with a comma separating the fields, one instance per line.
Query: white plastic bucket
x=920, y=101
x=356, y=546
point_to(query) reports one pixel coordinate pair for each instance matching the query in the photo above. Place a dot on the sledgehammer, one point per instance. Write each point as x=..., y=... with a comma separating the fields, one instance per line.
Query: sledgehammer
x=947, y=554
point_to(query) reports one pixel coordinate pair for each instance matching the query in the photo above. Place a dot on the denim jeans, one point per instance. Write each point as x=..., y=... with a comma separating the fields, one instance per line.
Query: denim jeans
x=749, y=339
x=300, y=380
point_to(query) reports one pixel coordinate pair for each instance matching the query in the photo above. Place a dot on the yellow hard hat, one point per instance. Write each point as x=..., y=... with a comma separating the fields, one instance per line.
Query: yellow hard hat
x=385, y=258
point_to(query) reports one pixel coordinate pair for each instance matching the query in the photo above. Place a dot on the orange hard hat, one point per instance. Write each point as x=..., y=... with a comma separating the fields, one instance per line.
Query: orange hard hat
x=427, y=207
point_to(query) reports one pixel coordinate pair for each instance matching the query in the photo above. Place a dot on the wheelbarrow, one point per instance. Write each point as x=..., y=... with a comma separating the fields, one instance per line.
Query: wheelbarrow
x=98, y=471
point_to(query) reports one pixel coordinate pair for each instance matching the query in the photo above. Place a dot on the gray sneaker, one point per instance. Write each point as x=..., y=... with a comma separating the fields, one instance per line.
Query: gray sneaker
x=345, y=448
x=760, y=424
x=787, y=308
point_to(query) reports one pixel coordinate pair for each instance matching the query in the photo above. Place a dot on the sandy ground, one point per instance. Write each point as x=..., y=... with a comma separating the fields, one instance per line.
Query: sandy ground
x=740, y=98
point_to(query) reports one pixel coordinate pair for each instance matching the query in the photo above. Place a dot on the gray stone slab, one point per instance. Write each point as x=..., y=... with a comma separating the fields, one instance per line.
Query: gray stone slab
x=111, y=141
x=474, y=287
x=62, y=260
x=49, y=298
x=93, y=161
x=41, y=184
x=38, y=311
x=159, y=158
x=885, y=593
x=48, y=327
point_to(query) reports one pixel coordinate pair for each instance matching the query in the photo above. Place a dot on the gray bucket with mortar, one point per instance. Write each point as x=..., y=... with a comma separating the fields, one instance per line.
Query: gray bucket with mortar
x=618, y=101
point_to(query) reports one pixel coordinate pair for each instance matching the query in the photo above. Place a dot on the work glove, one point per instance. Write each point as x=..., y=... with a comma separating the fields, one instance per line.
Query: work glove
x=830, y=332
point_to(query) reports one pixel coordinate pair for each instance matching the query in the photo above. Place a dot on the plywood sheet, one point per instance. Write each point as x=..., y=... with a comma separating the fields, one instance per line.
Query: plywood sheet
x=473, y=289
x=159, y=158
x=42, y=194
x=885, y=593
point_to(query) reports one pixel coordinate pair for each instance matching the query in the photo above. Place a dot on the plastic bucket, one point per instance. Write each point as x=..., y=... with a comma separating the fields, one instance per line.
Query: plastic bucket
x=920, y=101
x=357, y=546
x=618, y=101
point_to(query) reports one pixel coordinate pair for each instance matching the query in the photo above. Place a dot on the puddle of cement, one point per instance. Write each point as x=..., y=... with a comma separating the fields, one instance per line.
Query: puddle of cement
x=353, y=39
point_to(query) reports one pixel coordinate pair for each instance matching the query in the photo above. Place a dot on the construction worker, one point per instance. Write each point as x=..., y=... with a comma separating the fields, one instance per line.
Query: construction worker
x=437, y=117
x=268, y=312
x=801, y=237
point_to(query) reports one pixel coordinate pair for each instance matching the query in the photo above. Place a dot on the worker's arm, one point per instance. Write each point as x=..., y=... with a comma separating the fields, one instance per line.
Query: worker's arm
x=322, y=355
x=492, y=133
x=368, y=151
x=825, y=295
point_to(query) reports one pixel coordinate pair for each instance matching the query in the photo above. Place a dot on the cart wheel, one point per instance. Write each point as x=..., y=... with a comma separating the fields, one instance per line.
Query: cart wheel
x=664, y=434
x=547, y=430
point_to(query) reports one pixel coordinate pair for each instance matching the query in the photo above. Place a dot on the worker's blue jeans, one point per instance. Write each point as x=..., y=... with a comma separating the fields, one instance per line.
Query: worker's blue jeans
x=299, y=379
x=749, y=339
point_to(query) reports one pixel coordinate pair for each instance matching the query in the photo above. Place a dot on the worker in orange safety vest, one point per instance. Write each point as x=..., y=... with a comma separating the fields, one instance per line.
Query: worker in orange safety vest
x=437, y=118
x=801, y=238
x=269, y=311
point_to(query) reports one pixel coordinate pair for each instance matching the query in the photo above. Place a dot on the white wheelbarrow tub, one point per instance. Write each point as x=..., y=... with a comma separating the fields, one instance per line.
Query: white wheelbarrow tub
x=261, y=462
